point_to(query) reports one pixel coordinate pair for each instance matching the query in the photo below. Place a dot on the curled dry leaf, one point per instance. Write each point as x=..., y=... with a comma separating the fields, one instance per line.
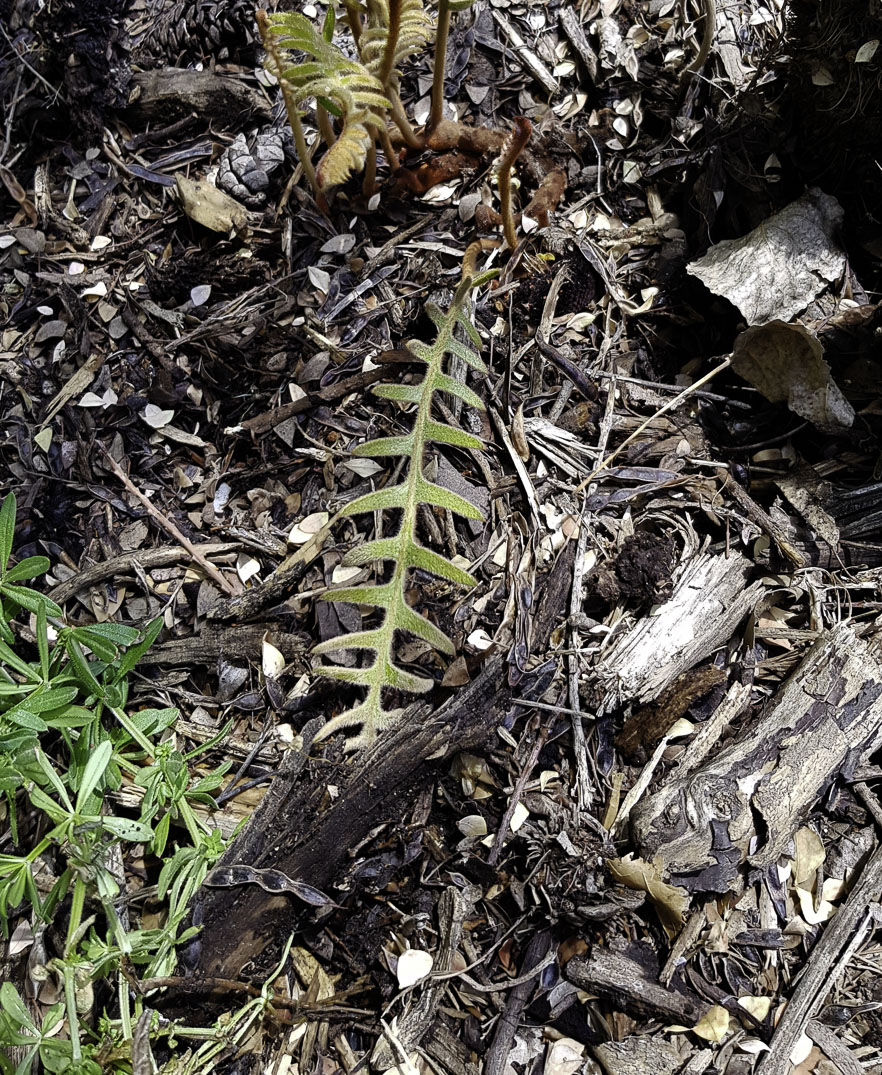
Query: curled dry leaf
x=210, y=207
x=714, y=1024
x=472, y=825
x=670, y=902
x=308, y=527
x=273, y=662
x=786, y=363
x=156, y=417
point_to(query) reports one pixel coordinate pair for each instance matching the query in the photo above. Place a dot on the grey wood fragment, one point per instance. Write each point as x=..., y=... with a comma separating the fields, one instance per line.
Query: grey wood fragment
x=524, y=54
x=710, y=598
x=826, y=962
x=825, y=718
x=572, y=27
x=835, y=1048
x=628, y=986
x=637, y=1056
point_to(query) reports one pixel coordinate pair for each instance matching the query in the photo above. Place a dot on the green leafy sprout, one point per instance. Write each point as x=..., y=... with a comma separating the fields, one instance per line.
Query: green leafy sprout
x=67, y=740
x=403, y=549
x=361, y=93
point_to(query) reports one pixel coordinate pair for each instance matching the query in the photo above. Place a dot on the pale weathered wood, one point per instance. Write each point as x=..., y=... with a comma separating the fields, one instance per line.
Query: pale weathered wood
x=710, y=597
x=827, y=715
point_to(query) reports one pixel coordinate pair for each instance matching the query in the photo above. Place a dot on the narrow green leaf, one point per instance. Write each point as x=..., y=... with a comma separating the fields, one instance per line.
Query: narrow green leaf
x=126, y=829
x=386, y=446
x=135, y=653
x=43, y=641
x=81, y=667
x=441, y=433
x=393, y=496
x=29, y=568
x=10, y=657
x=94, y=771
x=29, y=599
x=7, y=529
x=10, y=1001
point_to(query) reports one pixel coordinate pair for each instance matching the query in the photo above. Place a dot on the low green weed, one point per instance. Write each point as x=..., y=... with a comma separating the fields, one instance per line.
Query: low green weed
x=68, y=738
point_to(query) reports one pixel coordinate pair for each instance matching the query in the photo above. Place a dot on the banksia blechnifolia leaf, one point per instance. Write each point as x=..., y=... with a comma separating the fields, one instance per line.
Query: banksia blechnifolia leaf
x=344, y=87
x=403, y=549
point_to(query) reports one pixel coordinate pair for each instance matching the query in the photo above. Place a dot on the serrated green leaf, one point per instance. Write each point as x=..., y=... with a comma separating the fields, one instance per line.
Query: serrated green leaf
x=377, y=596
x=411, y=621
x=436, y=495
x=402, y=549
x=381, y=549
x=443, y=383
x=356, y=640
x=401, y=393
x=426, y=560
x=459, y=349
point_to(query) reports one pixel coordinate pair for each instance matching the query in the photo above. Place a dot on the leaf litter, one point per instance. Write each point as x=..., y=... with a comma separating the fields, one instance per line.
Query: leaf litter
x=521, y=887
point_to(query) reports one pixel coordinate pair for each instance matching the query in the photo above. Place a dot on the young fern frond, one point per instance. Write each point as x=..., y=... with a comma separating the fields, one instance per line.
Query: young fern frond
x=344, y=87
x=395, y=29
x=403, y=549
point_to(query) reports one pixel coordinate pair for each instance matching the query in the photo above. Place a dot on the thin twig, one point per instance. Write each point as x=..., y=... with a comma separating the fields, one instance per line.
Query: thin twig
x=669, y=406
x=168, y=526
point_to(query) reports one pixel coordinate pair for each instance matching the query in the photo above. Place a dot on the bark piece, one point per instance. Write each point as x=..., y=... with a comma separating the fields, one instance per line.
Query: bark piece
x=825, y=718
x=710, y=597
x=636, y=1056
x=243, y=641
x=628, y=986
x=172, y=93
x=297, y=832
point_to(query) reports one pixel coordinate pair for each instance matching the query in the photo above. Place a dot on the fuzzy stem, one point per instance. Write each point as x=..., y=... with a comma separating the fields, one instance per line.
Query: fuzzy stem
x=324, y=124
x=272, y=53
x=470, y=257
x=388, y=149
x=441, y=31
x=353, y=18
x=516, y=141
x=386, y=67
x=401, y=121
x=369, y=183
